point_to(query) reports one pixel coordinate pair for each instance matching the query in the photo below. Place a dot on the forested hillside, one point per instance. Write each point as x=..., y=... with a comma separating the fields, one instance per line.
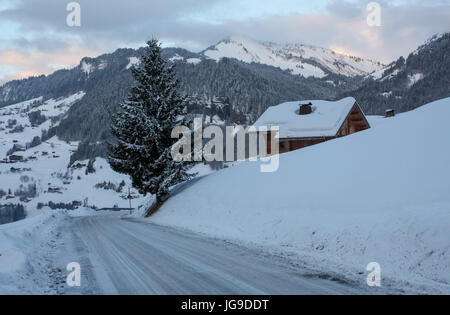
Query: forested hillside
x=407, y=84
x=228, y=90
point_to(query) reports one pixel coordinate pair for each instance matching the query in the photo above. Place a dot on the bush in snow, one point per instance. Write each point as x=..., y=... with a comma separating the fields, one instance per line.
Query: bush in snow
x=47, y=134
x=106, y=186
x=90, y=167
x=87, y=150
x=143, y=126
x=24, y=179
x=111, y=186
x=11, y=123
x=26, y=192
x=216, y=165
x=34, y=143
x=59, y=206
x=121, y=186
x=36, y=118
x=63, y=206
x=17, y=129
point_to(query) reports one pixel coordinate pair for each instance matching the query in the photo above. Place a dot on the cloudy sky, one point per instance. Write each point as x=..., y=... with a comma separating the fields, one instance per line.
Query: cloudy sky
x=35, y=38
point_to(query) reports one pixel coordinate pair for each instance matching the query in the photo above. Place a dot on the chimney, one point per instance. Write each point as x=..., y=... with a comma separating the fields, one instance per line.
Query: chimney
x=390, y=113
x=305, y=109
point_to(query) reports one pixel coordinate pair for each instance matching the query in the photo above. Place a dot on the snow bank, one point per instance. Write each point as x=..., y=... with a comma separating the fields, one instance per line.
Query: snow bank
x=17, y=240
x=382, y=195
x=28, y=249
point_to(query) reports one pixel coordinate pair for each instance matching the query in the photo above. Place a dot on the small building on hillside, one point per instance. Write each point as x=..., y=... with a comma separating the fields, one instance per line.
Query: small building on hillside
x=15, y=158
x=307, y=123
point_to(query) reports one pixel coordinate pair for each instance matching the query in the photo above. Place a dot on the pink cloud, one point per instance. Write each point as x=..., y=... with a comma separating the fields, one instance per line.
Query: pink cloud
x=39, y=62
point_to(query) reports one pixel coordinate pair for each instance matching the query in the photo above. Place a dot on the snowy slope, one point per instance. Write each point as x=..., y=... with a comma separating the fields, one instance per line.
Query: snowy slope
x=34, y=254
x=45, y=165
x=380, y=195
x=305, y=60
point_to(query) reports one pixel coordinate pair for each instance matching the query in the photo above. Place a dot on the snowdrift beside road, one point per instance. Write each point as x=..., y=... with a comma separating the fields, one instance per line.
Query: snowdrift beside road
x=30, y=251
x=17, y=241
x=382, y=195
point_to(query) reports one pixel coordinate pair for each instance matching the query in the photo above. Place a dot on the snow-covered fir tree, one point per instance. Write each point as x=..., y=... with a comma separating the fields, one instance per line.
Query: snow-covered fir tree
x=143, y=125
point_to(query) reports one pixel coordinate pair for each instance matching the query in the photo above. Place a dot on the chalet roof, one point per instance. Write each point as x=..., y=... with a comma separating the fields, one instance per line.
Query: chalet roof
x=325, y=120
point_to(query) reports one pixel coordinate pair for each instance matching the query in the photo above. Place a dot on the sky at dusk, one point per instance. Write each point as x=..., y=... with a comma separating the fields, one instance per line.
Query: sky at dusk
x=35, y=38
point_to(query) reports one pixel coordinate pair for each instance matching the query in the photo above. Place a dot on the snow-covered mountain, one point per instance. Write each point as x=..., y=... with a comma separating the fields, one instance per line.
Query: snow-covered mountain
x=305, y=60
x=410, y=82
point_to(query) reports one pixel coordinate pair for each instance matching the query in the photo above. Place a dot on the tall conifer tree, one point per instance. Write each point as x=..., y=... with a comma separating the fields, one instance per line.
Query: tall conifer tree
x=143, y=125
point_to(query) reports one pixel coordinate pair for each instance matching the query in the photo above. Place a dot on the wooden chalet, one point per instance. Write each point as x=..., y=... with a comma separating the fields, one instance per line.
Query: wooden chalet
x=307, y=123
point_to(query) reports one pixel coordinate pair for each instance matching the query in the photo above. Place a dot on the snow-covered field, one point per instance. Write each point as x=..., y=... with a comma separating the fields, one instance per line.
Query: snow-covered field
x=45, y=166
x=382, y=195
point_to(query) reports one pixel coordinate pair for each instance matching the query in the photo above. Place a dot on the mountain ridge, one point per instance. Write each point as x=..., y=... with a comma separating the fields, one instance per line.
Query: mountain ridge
x=300, y=59
x=407, y=83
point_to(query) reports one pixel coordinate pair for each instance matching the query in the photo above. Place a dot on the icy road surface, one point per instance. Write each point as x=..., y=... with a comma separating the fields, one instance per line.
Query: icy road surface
x=129, y=256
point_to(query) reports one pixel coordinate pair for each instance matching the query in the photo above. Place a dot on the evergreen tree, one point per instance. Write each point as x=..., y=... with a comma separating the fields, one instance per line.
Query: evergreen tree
x=90, y=167
x=143, y=126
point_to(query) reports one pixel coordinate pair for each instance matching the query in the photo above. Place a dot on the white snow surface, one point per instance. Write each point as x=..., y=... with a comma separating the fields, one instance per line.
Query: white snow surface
x=87, y=67
x=299, y=59
x=133, y=62
x=18, y=241
x=325, y=120
x=46, y=165
x=194, y=61
x=378, y=75
x=391, y=75
x=34, y=253
x=414, y=78
x=381, y=195
x=176, y=57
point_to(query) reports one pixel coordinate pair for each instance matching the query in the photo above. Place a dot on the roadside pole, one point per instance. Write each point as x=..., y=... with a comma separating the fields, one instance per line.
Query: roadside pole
x=129, y=198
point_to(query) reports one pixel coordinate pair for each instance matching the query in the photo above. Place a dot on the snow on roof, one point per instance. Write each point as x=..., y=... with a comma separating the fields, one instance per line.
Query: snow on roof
x=325, y=120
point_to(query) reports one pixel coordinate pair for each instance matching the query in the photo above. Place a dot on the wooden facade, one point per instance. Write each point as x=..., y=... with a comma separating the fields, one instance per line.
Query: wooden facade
x=354, y=122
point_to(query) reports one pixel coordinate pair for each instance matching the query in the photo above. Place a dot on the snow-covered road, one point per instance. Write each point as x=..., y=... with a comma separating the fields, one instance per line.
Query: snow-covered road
x=129, y=256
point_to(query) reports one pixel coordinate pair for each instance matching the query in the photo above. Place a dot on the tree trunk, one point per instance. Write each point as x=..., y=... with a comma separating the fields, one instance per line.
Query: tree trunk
x=159, y=201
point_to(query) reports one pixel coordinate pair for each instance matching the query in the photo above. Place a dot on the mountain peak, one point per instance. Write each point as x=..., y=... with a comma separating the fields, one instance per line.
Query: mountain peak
x=299, y=59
